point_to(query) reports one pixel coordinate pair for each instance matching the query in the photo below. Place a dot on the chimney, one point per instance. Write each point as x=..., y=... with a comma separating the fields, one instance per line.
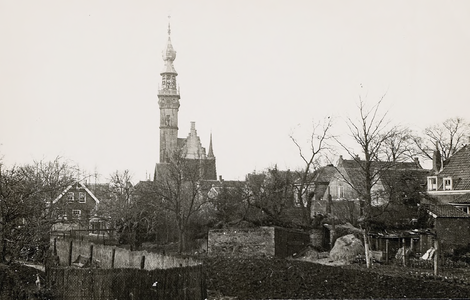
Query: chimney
x=418, y=165
x=220, y=178
x=436, y=160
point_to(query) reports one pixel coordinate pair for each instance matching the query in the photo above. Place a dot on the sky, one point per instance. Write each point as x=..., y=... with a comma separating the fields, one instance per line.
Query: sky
x=79, y=79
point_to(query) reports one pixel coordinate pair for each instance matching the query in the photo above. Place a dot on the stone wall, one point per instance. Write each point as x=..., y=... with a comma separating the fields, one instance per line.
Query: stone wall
x=262, y=241
x=242, y=241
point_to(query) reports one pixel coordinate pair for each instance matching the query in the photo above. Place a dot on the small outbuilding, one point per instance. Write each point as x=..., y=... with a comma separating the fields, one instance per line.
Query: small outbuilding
x=260, y=241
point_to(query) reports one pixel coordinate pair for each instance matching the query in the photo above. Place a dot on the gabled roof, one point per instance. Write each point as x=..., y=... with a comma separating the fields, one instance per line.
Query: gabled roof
x=458, y=167
x=391, y=171
x=446, y=211
x=324, y=174
x=320, y=175
x=218, y=186
x=82, y=186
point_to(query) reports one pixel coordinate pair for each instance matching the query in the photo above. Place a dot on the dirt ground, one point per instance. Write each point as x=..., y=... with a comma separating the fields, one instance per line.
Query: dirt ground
x=249, y=278
x=273, y=278
x=18, y=281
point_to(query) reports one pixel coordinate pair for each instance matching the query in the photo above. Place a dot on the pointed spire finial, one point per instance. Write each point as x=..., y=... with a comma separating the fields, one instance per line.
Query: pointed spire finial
x=169, y=28
x=211, y=151
x=169, y=54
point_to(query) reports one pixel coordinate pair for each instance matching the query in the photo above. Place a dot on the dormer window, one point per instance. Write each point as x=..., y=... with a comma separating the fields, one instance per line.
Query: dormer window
x=70, y=196
x=82, y=197
x=447, y=183
x=432, y=183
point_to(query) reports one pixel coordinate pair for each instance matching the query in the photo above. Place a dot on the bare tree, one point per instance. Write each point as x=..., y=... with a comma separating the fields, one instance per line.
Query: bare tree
x=129, y=212
x=229, y=203
x=447, y=137
x=400, y=145
x=26, y=194
x=270, y=192
x=318, y=145
x=181, y=190
x=121, y=187
x=370, y=131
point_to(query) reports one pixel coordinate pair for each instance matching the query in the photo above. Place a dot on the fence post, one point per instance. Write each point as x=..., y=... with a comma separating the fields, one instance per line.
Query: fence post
x=91, y=254
x=142, y=262
x=112, y=258
x=70, y=252
x=55, y=247
x=421, y=243
x=404, y=252
x=386, y=250
x=436, y=256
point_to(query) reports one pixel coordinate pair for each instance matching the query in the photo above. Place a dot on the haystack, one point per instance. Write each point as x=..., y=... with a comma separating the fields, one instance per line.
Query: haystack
x=347, y=248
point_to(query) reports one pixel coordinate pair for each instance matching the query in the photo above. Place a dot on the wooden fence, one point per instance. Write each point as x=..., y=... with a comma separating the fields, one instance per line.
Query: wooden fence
x=132, y=284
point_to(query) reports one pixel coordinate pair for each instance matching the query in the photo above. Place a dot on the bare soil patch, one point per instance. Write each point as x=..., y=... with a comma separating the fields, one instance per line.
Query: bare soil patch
x=272, y=278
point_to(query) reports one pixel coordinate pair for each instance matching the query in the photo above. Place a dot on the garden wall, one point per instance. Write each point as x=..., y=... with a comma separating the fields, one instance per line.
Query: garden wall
x=262, y=241
x=123, y=258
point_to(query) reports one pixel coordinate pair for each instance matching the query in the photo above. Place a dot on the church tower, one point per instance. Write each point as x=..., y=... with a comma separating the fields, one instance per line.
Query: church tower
x=169, y=103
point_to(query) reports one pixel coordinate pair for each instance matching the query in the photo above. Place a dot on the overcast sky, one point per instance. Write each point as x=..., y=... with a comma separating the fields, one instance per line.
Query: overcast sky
x=79, y=79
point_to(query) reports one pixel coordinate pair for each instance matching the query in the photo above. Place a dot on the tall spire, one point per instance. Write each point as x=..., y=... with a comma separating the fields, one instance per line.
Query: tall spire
x=211, y=151
x=169, y=103
x=169, y=54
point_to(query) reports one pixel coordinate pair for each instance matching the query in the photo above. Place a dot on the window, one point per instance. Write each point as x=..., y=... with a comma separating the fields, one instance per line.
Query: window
x=70, y=196
x=82, y=197
x=447, y=184
x=463, y=208
x=432, y=183
x=96, y=227
x=76, y=212
x=340, y=192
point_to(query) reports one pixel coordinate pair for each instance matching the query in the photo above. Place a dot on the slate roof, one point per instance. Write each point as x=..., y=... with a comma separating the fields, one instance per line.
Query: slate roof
x=352, y=163
x=387, y=170
x=462, y=199
x=394, y=175
x=458, y=167
x=446, y=211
